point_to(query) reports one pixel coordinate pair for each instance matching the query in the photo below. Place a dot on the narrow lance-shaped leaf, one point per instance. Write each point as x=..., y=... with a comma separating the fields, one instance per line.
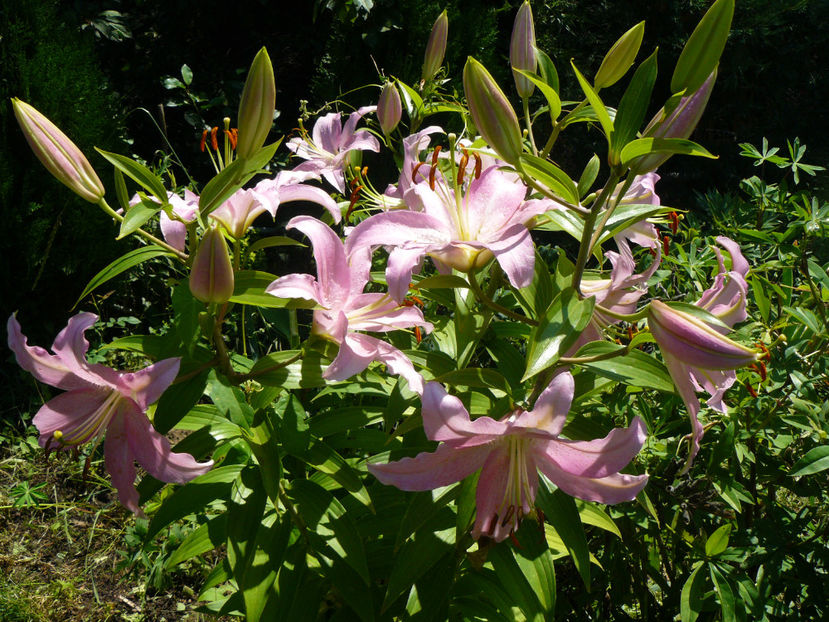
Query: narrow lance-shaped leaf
x=704, y=47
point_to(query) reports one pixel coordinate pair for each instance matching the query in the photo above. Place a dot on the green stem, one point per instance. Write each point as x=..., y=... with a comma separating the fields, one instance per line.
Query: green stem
x=576, y=360
x=529, y=123
x=609, y=211
x=557, y=127
x=486, y=300
x=587, y=232
x=536, y=186
x=149, y=236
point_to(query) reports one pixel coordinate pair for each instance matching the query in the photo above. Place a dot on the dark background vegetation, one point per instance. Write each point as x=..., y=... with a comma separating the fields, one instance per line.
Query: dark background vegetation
x=98, y=70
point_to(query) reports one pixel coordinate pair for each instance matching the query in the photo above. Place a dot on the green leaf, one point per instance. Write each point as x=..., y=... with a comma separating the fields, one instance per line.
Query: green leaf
x=139, y=173
x=646, y=146
x=233, y=177
x=249, y=289
x=423, y=507
x=690, y=604
x=121, y=190
x=595, y=102
x=702, y=52
x=326, y=460
x=549, y=175
x=592, y=514
x=760, y=297
x=122, y=264
x=136, y=216
x=718, y=541
x=274, y=240
x=177, y=401
x=229, y=399
x=476, y=377
x=547, y=69
x=553, y=100
x=207, y=537
x=418, y=555
x=186, y=74
x=815, y=461
x=561, y=512
x=557, y=330
x=725, y=593
x=194, y=497
x=306, y=373
x=514, y=582
x=412, y=101
x=331, y=532
x=631, y=111
x=536, y=563
x=636, y=368
x=442, y=281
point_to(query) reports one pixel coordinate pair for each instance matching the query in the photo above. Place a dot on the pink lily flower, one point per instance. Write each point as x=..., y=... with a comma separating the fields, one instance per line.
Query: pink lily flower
x=331, y=141
x=101, y=401
x=184, y=210
x=461, y=231
x=413, y=145
x=697, y=354
x=511, y=451
x=238, y=213
x=338, y=290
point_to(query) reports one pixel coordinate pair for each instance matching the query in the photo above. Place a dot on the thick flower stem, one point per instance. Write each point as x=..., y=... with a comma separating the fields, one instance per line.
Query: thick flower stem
x=529, y=123
x=587, y=232
x=486, y=300
x=111, y=212
x=609, y=211
x=557, y=127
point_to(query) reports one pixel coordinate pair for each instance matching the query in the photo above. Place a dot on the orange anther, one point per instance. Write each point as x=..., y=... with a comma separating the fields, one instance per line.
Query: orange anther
x=432, y=170
x=355, y=195
x=364, y=172
x=231, y=137
x=666, y=244
x=760, y=368
x=435, y=155
x=418, y=334
x=203, y=140
x=751, y=390
x=213, y=142
x=414, y=171
x=462, y=167
x=478, y=165
x=674, y=222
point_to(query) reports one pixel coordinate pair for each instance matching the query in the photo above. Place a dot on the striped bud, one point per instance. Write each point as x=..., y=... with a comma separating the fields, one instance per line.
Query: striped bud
x=59, y=155
x=491, y=111
x=211, y=276
x=389, y=108
x=257, y=106
x=436, y=47
x=522, y=49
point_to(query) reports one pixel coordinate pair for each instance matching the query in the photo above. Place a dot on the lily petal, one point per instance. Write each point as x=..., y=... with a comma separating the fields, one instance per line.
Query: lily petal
x=426, y=471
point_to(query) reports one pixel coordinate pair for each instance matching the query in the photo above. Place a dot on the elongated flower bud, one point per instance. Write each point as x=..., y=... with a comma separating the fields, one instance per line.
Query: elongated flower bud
x=59, y=155
x=522, y=49
x=693, y=342
x=436, y=47
x=620, y=57
x=492, y=112
x=679, y=123
x=389, y=108
x=257, y=106
x=211, y=277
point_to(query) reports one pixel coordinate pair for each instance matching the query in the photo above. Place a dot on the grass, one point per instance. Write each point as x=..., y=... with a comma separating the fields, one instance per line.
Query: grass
x=69, y=551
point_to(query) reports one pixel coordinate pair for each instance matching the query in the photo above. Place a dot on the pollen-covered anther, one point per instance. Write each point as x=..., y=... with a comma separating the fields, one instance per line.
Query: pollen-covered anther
x=432, y=170
x=213, y=140
x=462, y=166
x=435, y=155
x=231, y=136
x=203, y=140
x=666, y=244
x=766, y=354
x=478, y=165
x=414, y=171
x=674, y=222
x=760, y=368
x=418, y=334
x=355, y=196
x=750, y=389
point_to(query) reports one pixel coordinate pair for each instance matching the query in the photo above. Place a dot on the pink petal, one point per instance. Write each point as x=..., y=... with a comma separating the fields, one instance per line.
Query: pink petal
x=333, y=275
x=428, y=471
x=681, y=375
x=358, y=351
x=611, y=489
x=120, y=464
x=491, y=203
x=401, y=263
x=333, y=174
x=152, y=451
x=146, y=385
x=550, y=410
x=351, y=124
x=303, y=286
x=738, y=262
x=515, y=253
x=446, y=419
x=174, y=231
x=600, y=457
x=80, y=415
x=302, y=192
x=327, y=131
x=362, y=141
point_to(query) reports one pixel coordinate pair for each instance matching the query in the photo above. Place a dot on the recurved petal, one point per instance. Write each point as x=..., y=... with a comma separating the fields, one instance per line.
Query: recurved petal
x=446, y=419
x=491, y=202
x=333, y=274
x=550, y=410
x=350, y=126
x=515, y=253
x=363, y=141
x=327, y=131
x=600, y=457
x=428, y=471
x=296, y=286
x=611, y=489
x=304, y=192
x=681, y=374
x=78, y=416
x=174, y=231
x=146, y=385
x=738, y=262
x=120, y=463
x=358, y=351
x=152, y=451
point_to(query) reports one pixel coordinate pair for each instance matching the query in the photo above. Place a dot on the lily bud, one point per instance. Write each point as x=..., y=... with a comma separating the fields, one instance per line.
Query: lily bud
x=492, y=112
x=620, y=57
x=389, y=108
x=691, y=341
x=211, y=276
x=680, y=123
x=436, y=47
x=257, y=106
x=59, y=155
x=522, y=49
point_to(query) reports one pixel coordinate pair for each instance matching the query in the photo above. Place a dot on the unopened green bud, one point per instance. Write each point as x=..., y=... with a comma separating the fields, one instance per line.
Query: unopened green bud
x=522, y=54
x=436, y=47
x=257, y=106
x=389, y=108
x=702, y=52
x=492, y=112
x=620, y=57
x=59, y=155
x=211, y=276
